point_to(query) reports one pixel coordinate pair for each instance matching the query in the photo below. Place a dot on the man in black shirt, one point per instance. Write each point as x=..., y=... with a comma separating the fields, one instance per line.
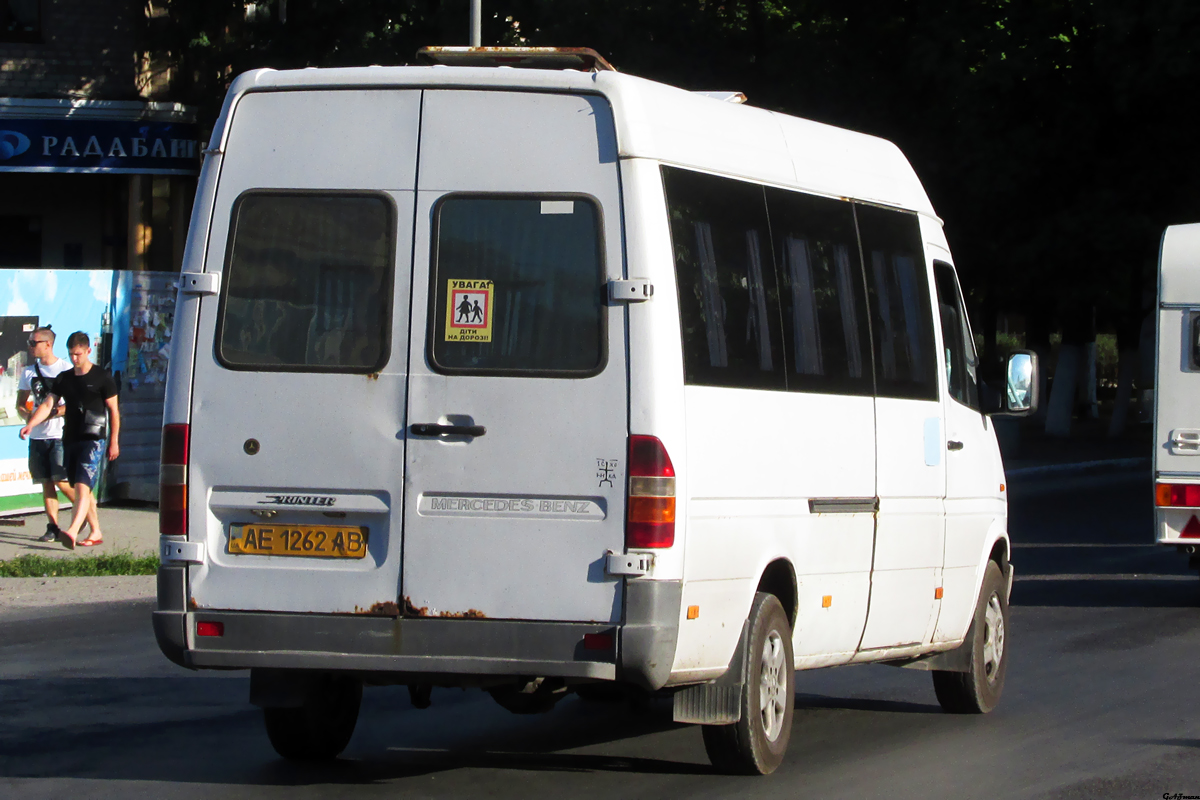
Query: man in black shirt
x=88, y=392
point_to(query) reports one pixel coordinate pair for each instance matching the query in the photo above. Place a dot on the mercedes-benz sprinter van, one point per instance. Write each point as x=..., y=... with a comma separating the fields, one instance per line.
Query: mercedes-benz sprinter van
x=542, y=381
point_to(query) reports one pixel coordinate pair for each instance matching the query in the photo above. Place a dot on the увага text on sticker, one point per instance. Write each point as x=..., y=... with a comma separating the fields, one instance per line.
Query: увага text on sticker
x=469, y=310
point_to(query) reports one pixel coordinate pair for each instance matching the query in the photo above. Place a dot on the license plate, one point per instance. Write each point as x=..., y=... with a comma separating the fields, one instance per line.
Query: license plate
x=316, y=541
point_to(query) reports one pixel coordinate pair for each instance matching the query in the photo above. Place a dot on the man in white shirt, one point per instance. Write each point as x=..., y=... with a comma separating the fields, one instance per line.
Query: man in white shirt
x=45, y=441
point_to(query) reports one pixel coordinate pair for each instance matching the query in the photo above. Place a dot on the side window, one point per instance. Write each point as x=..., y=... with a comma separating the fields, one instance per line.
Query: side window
x=518, y=286
x=822, y=297
x=956, y=337
x=308, y=283
x=898, y=296
x=728, y=300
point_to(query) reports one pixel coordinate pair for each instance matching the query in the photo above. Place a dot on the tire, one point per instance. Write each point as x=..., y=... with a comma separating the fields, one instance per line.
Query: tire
x=755, y=744
x=978, y=690
x=320, y=729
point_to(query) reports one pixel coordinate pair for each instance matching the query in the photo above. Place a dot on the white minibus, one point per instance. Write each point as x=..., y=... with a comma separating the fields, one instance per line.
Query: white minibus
x=1177, y=387
x=560, y=380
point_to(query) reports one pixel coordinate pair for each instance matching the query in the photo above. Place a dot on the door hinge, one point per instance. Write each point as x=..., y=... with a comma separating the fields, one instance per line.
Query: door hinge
x=177, y=552
x=200, y=283
x=637, y=290
x=632, y=565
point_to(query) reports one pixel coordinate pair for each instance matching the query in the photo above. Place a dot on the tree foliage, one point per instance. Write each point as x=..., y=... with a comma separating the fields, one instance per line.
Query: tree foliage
x=1056, y=137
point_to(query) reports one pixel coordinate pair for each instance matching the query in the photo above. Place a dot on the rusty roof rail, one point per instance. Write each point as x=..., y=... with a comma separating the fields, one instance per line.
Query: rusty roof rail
x=584, y=59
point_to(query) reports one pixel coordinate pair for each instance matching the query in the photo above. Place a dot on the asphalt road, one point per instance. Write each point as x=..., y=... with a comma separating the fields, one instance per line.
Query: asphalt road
x=1101, y=701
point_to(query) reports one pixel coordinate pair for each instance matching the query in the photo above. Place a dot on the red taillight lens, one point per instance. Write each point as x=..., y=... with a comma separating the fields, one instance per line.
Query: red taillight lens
x=172, y=481
x=1186, y=495
x=651, y=502
x=210, y=628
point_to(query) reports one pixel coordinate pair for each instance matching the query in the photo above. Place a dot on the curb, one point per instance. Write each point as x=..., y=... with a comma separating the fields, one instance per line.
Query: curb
x=1079, y=467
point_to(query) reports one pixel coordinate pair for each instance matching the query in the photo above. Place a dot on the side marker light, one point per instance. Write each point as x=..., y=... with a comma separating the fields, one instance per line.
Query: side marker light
x=937, y=593
x=827, y=601
x=693, y=612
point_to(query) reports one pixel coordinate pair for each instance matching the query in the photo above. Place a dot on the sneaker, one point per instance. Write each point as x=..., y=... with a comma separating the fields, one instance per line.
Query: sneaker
x=51, y=533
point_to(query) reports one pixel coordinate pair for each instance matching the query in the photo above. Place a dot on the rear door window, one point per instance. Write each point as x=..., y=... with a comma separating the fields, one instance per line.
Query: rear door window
x=308, y=283
x=518, y=286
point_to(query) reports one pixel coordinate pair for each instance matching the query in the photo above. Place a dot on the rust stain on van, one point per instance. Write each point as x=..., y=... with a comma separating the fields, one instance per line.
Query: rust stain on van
x=193, y=605
x=470, y=613
x=414, y=611
x=384, y=609
x=373, y=376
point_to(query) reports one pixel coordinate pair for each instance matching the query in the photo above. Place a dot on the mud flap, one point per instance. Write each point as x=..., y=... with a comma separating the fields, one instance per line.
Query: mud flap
x=717, y=702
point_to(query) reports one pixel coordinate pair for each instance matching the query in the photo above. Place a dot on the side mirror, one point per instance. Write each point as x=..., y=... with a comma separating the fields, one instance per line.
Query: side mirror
x=1020, y=384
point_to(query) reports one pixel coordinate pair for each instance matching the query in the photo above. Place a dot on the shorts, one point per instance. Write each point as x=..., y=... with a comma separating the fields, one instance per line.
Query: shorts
x=83, y=461
x=46, y=461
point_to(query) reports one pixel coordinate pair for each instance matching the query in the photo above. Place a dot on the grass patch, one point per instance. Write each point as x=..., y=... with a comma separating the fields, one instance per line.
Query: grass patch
x=34, y=566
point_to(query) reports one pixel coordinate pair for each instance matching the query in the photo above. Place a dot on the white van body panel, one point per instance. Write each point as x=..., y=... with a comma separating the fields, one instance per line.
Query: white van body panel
x=544, y=434
x=1177, y=377
x=230, y=407
x=753, y=467
x=656, y=389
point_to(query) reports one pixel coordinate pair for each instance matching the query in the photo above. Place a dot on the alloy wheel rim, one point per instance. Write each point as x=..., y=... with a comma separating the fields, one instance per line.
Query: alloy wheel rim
x=772, y=692
x=993, y=642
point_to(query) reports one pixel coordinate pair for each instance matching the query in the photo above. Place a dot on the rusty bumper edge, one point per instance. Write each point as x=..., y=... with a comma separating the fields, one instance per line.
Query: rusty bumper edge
x=383, y=644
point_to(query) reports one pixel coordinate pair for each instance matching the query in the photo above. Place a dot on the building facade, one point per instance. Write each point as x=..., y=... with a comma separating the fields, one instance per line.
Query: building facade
x=97, y=174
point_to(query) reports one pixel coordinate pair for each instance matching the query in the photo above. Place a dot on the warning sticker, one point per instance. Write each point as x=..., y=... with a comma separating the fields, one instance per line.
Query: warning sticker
x=469, y=311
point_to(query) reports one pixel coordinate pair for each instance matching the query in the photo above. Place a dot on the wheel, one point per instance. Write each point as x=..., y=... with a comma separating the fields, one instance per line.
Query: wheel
x=755, y=744
x=321, y=728
x=978, y=691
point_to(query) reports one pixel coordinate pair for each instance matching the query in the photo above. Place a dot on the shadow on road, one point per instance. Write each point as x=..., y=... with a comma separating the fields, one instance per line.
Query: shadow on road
x=116, y=729
x=813, y=701
x=1095, y=591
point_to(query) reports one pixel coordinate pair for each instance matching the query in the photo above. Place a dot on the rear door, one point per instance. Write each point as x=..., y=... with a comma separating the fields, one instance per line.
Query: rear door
x=297, y=455
x=513, y=503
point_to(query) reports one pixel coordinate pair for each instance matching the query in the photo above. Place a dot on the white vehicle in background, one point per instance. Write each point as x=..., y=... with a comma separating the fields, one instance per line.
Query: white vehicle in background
x=546, y=380
x=1177, y=392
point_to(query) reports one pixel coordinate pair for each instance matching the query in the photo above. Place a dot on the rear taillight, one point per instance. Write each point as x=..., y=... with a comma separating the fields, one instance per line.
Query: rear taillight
x=651, y=503
x=172, y=481
x=1186, y=495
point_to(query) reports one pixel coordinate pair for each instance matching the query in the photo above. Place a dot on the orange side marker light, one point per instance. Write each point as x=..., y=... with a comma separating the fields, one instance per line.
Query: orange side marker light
x=827, y=601
x=693, y=612
x=937, y=593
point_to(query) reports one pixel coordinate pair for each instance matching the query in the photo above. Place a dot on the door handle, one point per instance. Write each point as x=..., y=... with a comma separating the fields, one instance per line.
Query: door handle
x=953, y=445
x=436, y=429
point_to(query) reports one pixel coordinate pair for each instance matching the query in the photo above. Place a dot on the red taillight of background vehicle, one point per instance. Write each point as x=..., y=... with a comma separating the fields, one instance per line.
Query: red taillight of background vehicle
x=1184, y=495
x=172, y=481
x=650, y=511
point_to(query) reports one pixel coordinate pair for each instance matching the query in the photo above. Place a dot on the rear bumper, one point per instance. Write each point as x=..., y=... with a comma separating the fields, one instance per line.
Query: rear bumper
x=428, y=650
x=419, y=647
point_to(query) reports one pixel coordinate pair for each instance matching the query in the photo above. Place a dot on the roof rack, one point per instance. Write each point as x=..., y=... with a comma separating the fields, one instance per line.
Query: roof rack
x=581, y=58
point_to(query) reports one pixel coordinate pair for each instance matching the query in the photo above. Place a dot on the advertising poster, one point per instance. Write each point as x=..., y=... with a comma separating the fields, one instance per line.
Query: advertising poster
x=66, y=300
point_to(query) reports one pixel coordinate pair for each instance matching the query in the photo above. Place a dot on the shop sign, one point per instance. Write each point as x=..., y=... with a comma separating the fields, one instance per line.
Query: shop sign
x=134, y=146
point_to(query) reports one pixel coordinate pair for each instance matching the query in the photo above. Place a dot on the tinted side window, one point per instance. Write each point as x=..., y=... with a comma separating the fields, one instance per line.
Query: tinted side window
x=822, y=297
x=308, y=284
x=956, y=338
x=898, y=296
x=518, y=286
x=728, y=300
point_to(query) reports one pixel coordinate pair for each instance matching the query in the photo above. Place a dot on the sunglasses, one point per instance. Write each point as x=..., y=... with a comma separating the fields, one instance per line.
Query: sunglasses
x=36, y=342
